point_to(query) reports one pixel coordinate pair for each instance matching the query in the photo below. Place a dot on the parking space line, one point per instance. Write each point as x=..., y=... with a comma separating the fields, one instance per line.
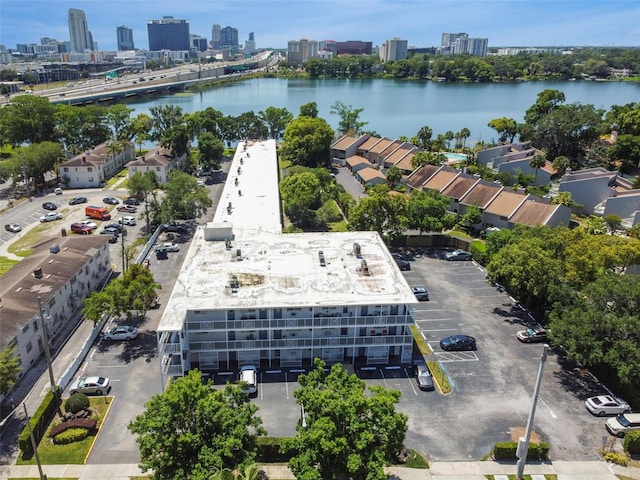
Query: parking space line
x=410, y=380
x=438, y=329
x=553, y=415
x=384, y=378
x=286, y=384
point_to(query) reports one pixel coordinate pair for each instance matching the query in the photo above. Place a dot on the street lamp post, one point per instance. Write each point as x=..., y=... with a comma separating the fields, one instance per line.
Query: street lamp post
x=47, y=353
x=523, y=443
x=34, y=444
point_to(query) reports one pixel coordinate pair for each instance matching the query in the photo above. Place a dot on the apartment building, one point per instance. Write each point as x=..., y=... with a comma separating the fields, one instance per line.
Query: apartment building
x=97, y=165
x=249, y=294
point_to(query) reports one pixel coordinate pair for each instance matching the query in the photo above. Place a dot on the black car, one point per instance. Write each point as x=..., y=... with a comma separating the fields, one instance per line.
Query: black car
x=401, y=262
x=173, y=228
x=458, y=342
x=113, y=239
x=115, y=226
x=77, y=200
x=131, y=201
x=111, y=200
x=109, y=231
x=49, y=206
x=421, y=293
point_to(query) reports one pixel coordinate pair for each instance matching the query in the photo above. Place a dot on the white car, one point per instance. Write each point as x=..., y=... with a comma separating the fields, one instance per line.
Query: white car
x=607, y=405
x=169, y=247
x=86, y=385
x=122, y=332
x=127, y=220
x=90, y=224
x=50, y=216
x=458, y=255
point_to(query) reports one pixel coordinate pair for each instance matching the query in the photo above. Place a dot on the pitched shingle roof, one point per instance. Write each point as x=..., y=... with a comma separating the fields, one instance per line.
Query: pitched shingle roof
x=421, y=175
x=481, y=194
x=533, y=214
x=505, y=203
x=460, y=186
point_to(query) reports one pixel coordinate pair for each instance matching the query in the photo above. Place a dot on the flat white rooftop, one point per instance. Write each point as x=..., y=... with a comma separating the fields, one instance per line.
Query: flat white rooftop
x=284, y=270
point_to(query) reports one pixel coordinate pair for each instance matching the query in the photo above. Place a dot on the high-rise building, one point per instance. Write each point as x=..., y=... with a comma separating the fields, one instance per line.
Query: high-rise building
x=215, y=37
x=447, y=44
x=168, y=34
x=299, y=51
x=125, y=38
x=198, y=43
x=328, y=46
x=229, y=38
x=250, y=45
x=79, y=33
x=393, y=50
x=355, y=47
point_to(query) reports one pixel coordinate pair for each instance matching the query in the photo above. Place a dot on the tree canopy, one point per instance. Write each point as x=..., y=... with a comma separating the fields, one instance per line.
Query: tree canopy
x=9, y=369
x=348, y=430
x=307, y=141
x=192, y=430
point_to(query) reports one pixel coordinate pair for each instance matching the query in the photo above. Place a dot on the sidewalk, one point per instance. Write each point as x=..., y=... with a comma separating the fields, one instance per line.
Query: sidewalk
x=596, y=470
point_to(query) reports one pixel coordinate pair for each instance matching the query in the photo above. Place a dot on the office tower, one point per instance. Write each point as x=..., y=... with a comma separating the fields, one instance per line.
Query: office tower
x=125, y=38
x=229, y=38
x=250, y=45
x=215, y=37
x=198, y=43
x=168, y=34
x=329, y=46
x=393, y=50
x=79, y=33
x=355, y=47
x=299, y=51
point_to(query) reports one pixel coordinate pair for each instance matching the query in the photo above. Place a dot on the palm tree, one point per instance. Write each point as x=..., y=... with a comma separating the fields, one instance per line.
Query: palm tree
x=464, y=134
x=538, y=161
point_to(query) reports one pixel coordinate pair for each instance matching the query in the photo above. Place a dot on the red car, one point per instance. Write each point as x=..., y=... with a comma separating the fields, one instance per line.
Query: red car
x=81, y=228
x=127, y=208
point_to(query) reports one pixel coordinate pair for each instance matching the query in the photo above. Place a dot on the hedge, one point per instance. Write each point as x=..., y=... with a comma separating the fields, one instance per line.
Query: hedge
x=39, y=422
x=71, y=436
x=632, y=442
x=89, y=424
x=507, y=451
x=269, y=450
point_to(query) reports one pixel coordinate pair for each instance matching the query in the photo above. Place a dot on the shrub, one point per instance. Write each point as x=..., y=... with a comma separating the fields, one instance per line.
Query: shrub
x=615, y=457
x=507, y=451
x=38, y=422
x=76, y=403
x=632, y=442
x=269, y=450
x=86, y=423
x=71, y=435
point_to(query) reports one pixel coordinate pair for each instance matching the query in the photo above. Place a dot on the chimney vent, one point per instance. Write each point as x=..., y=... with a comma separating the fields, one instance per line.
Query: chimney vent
x=37, y=272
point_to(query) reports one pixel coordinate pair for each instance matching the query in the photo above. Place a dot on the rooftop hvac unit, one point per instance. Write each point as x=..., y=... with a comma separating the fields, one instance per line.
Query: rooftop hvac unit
x=238, y=254
x=356, y=250
x=364, y=268
x=321, y=258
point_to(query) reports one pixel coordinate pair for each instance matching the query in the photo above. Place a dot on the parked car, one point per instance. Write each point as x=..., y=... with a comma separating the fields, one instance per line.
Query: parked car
x=127, y=208
x=169, y=247
x=51, y=216
x=90, y=384
x=49, y=206
x=57, y=191
x=424, y=377
x=111, y=200
x=458, y=342
x=127, y=220
x=117, y=226
x=131, y=201
x=421, y=293
x=80, y=228
x=109, y=231
x=623, y=423
x=401, y=262
x=122, y=332
x=90, y=224
x=113, y=239
x=13, y=227
x=161, y=254
x=249, y=379
x=173, y=227
x=458, y=255
x=607, y=405
x=77, y=200
x=532, y=334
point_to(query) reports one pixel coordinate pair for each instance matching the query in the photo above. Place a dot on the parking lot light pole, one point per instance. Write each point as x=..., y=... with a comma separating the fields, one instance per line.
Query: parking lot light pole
x=523, y=443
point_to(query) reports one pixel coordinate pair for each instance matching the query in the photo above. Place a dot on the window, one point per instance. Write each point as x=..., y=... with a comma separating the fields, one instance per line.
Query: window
x=65, y=169
x=25, y=329
x=91, y=179
x=28, y=347
x=89, y=169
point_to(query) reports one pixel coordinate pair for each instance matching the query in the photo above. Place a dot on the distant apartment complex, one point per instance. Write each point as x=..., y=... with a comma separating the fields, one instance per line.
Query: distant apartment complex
x=79, y=34
x=456, y=43
x=92, y=167
x=393, y=50
x=125, y=38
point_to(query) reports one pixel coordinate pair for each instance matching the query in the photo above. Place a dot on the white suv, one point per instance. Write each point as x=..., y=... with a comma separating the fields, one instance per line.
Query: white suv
x=623, y=423
x=249, y=379
x=128, y=221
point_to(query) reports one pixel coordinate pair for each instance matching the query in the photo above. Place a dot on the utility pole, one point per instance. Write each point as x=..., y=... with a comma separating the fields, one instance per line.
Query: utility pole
x=47, y=353
x=124, y=234
x=523, y=443
x=34, y=445
x=23, y=165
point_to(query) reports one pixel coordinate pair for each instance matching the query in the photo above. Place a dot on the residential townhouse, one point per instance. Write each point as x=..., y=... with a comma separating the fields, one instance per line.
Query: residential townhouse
x=345, y=147
x=513, y=158
x=159, y=161
x=53, y=281
x=93, y=167
x=603, y=192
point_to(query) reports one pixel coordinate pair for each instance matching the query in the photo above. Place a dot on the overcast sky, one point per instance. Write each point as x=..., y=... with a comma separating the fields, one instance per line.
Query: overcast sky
x=274, y=22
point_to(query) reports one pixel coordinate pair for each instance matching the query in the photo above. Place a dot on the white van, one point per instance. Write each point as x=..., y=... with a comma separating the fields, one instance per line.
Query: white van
x=249, y=379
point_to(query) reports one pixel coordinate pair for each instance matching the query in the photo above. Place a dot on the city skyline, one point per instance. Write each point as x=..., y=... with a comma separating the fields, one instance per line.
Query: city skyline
x=518, y=23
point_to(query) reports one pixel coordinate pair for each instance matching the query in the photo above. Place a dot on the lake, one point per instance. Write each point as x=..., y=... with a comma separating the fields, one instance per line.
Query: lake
x=395, y=108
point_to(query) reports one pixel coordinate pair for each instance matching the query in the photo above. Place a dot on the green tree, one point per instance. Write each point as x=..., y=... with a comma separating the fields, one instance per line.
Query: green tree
x=163, y=119
x=140, y=129
x=276, y=120
x=27, y=119
x=349, y=123
x=301, y=196
x=307, y=141
x=9, y=369
x=507, y=128
x=349, y=431
x=424, y=158
x=424, y=137
x=192, y=429
x=472, y=216
x=39, y=159
x=182, y=198
x=538, y=161
x=613, y=222
x=211, y=150
x=380, y=212
x=426, y=210
x=594, y=225
x=309, y=110
x=564, y=198
x=561, y=164
x=81, y=128
x=118, y=118
x=627, y=151
x=394, y=175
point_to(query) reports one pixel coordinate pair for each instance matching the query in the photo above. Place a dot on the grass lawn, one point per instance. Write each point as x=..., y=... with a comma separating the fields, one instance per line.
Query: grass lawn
x=6, y=264
x=24, y=246
x=436, y=370
x=73, y=453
